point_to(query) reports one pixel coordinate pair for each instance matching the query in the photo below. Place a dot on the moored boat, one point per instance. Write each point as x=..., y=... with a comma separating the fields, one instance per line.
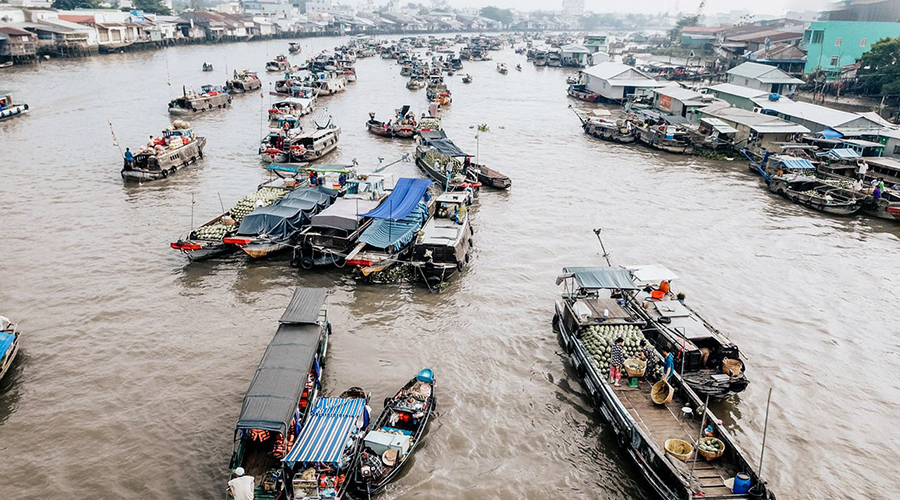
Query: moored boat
x=416, y=82
x=439, y=157
x=395, y=434
x=587, y=315
x=886, y=207
x=209, y=97
x=290, y=106
x=403, y=125
x=8, y=108
x=302, y=145
x=282, y=396
x=280, y=63
x=176, y=148
x=243, y=81
x=444, y=245
x=488, y=176
x=603, y=127
x=817, y=194
x=328, y=448
x=9, y=344
x=581, y=92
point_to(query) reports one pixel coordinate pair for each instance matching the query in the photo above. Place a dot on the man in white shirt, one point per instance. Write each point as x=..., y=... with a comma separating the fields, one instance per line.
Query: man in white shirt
x=241, y=487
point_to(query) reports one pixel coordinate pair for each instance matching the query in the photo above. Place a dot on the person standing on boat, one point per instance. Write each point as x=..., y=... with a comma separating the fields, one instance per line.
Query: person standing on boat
x=129, y=158
x=668, y=364
x=616, y=360
x=241, y=487
x=863, y=168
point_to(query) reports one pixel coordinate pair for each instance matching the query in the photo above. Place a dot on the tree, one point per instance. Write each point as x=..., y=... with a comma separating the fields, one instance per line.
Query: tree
x=152, y=7
x=76, y=4
x=503, y=16
x=682, y=23
x=880, y=67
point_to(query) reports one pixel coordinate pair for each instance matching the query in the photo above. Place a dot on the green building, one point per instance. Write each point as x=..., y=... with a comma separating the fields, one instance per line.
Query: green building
x=831, y=45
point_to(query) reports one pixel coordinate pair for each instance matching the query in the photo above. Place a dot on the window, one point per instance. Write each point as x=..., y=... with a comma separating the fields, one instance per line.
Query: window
x=817, y=36
x=897, y=150
x=834, y=60
x=838, y=41
x=806, y=35
x=863, y=42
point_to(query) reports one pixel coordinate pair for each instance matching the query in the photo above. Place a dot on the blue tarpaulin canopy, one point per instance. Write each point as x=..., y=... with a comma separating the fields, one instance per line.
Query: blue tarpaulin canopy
x=6, y=341
x=831, y=134
x=327, y=430
x=601, y=278
x=404, y=198
x=796, y=163
x=288, y=215
x=843, y=154
x=397, y=233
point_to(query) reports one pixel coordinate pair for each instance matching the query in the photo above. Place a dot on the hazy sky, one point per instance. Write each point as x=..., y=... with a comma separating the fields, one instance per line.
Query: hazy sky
x=652, y=6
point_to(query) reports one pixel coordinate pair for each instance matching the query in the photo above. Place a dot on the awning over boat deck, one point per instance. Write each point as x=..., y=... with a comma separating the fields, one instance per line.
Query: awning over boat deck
x=404, y=198
x=327, y=430
x=446, y=148
x=386, y=233
x=796, y=163
x=280, y=378
x=720, y=126
x=842, y=154
x=428, y=135
x=599, y=278
x=305, y=306
x=288, y=215
x=6, y=341
x=344, y=213
x=830, y=134
x=651, y=274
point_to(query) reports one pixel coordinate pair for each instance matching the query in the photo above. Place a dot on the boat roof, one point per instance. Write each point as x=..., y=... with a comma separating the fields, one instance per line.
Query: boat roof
x=326, y=432
x=452, y=197
x=6, y=342
x=404, y=198
x=294, y=100
x=796, y=163
x=441, y=232
x=842, y=154
x=446, y=147
x=385, y=233
x=304, y=307
x=287, y=215
x=599, y=278
x=345, y=213
x=284, y=369
x=650, y=273
x=719, y=125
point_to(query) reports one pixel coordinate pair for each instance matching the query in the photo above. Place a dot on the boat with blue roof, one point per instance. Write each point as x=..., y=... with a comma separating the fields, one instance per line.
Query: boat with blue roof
x=9, y=344
x=282, y=395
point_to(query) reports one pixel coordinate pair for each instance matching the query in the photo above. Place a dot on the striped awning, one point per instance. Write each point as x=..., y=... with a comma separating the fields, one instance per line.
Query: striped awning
x=843, y=154
x=325, y=434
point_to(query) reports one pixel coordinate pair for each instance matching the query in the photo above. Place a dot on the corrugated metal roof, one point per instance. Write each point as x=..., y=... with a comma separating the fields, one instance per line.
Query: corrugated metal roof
x=763, y=73
x=738, y=91
x=811, y=112
x=610, y=70
x=305, y=306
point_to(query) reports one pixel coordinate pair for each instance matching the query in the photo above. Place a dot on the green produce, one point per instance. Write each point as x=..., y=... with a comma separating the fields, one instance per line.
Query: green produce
x=598, y=339
x=262, y=197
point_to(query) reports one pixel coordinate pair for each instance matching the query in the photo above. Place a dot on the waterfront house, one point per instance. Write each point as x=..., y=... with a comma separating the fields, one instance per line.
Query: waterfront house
x=681, y=102
x=616, y=81
x=785, y=56
x=736, y=95
x=762, y=77
x=756, y=128
x=818, y=118
x=16, y=44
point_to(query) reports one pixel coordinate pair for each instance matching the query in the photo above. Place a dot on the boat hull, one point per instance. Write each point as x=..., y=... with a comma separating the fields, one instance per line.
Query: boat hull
x=260, y=250
x=13, y=111
x=664, y=145
x=609, y=135
x=10, y=358
x=172, y=162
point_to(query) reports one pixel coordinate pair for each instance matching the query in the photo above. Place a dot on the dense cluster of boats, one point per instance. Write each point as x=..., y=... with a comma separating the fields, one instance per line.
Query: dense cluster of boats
x=293, y=442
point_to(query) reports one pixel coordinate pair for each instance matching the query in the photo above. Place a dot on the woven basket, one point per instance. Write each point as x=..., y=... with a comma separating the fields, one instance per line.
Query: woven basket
x=708, y=455
x=682, y=450
x=637, y=370
x=732, y=367
x=662, y=392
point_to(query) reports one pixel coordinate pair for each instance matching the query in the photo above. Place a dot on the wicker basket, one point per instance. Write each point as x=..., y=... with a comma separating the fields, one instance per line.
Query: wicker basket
x=637, y=369
x=662, y=392
x=680, y=449
x=710, y=456
x=732, y=367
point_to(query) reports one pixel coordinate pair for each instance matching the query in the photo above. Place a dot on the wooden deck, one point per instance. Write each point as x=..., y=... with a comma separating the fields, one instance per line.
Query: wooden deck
x=666, y=422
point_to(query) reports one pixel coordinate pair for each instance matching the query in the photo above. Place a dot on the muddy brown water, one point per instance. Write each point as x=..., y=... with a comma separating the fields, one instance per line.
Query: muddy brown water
x=133, y=364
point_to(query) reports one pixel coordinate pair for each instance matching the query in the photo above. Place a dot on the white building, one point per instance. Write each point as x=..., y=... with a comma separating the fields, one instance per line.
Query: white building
x=573, y=7
x=762, y=77
x=616, y=81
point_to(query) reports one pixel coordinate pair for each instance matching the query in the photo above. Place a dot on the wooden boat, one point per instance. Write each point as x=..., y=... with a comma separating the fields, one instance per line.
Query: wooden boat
x=274, y=228
x=581, y=92
x=8, y=108
x=284, y=391
x=207, y=67
x=467, y=79
x=294, y=47
x=642, y=428
x=489, y=177
x=887, y=207
x=395, y=434
x=209, y=97
x=619, y=131
x=244, y=81
x=6, y=64
x=280, y=63
x=672, y=324
x=396, y=223
x=334, y=232
x=300, y=146
x=439, y=157
x=325, y=454
x=712, y=134
x=177, y=148
x=444, y=245
x=290, y=106
x=817, y=194
x=9, y=344
x=415, y=82
x=403, y=126
x=501, y=68
x=668, y=138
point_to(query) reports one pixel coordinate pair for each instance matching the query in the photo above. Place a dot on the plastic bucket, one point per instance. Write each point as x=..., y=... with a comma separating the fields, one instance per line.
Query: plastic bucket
x=741, y=484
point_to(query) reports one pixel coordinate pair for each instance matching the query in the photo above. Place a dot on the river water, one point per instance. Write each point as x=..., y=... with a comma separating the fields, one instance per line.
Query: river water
x=133, y=364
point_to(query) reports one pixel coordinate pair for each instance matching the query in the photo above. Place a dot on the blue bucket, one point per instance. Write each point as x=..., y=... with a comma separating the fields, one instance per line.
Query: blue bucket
x=741, y=484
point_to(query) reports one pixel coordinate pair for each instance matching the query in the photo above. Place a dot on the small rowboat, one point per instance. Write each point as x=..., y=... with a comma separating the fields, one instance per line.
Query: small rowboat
x=490, y=177
x=390, y=444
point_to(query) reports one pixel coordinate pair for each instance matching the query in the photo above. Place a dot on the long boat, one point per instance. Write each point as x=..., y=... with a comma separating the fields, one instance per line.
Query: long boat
x=328, y=448
x=177, y=148
x=8, y=108
x=395, y=435
x=243, y=81
x=9, y=345
x=817, y=194
x=397, y=221
x=581, y=93
x=271, y=229
x=210, y=97
x=438, y=157
x=285, y=387
x=445, y=244
x=601, y=127
x=590, y=303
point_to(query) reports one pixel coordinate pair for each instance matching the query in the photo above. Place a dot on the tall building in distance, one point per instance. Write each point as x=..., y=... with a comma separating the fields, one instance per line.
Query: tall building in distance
x=573, y=7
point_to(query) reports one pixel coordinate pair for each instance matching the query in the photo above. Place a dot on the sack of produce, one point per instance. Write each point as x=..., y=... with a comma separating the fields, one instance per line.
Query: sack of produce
x=662, y=392
x=682, y=450
x=710, y=448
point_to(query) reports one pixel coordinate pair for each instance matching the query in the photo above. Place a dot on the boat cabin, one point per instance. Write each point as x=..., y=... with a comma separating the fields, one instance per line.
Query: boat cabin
x=446, y=239
x=284, y=388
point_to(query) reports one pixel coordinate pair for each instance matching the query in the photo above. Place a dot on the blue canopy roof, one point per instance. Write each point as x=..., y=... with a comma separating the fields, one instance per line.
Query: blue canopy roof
x=831, y=134
x=387, y=233
x=325, y=434
x=601, y=278
x=404, y=198
x=843, y=154
x=796, y=163
x=6, y=341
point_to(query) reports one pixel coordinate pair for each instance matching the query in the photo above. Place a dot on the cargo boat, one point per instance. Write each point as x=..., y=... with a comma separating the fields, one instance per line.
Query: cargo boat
x=244, y=81
x=8, y=108
x=592, y=297
x=444, y=246
x=177, y=148
x=283, y=392
x=209, y=97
